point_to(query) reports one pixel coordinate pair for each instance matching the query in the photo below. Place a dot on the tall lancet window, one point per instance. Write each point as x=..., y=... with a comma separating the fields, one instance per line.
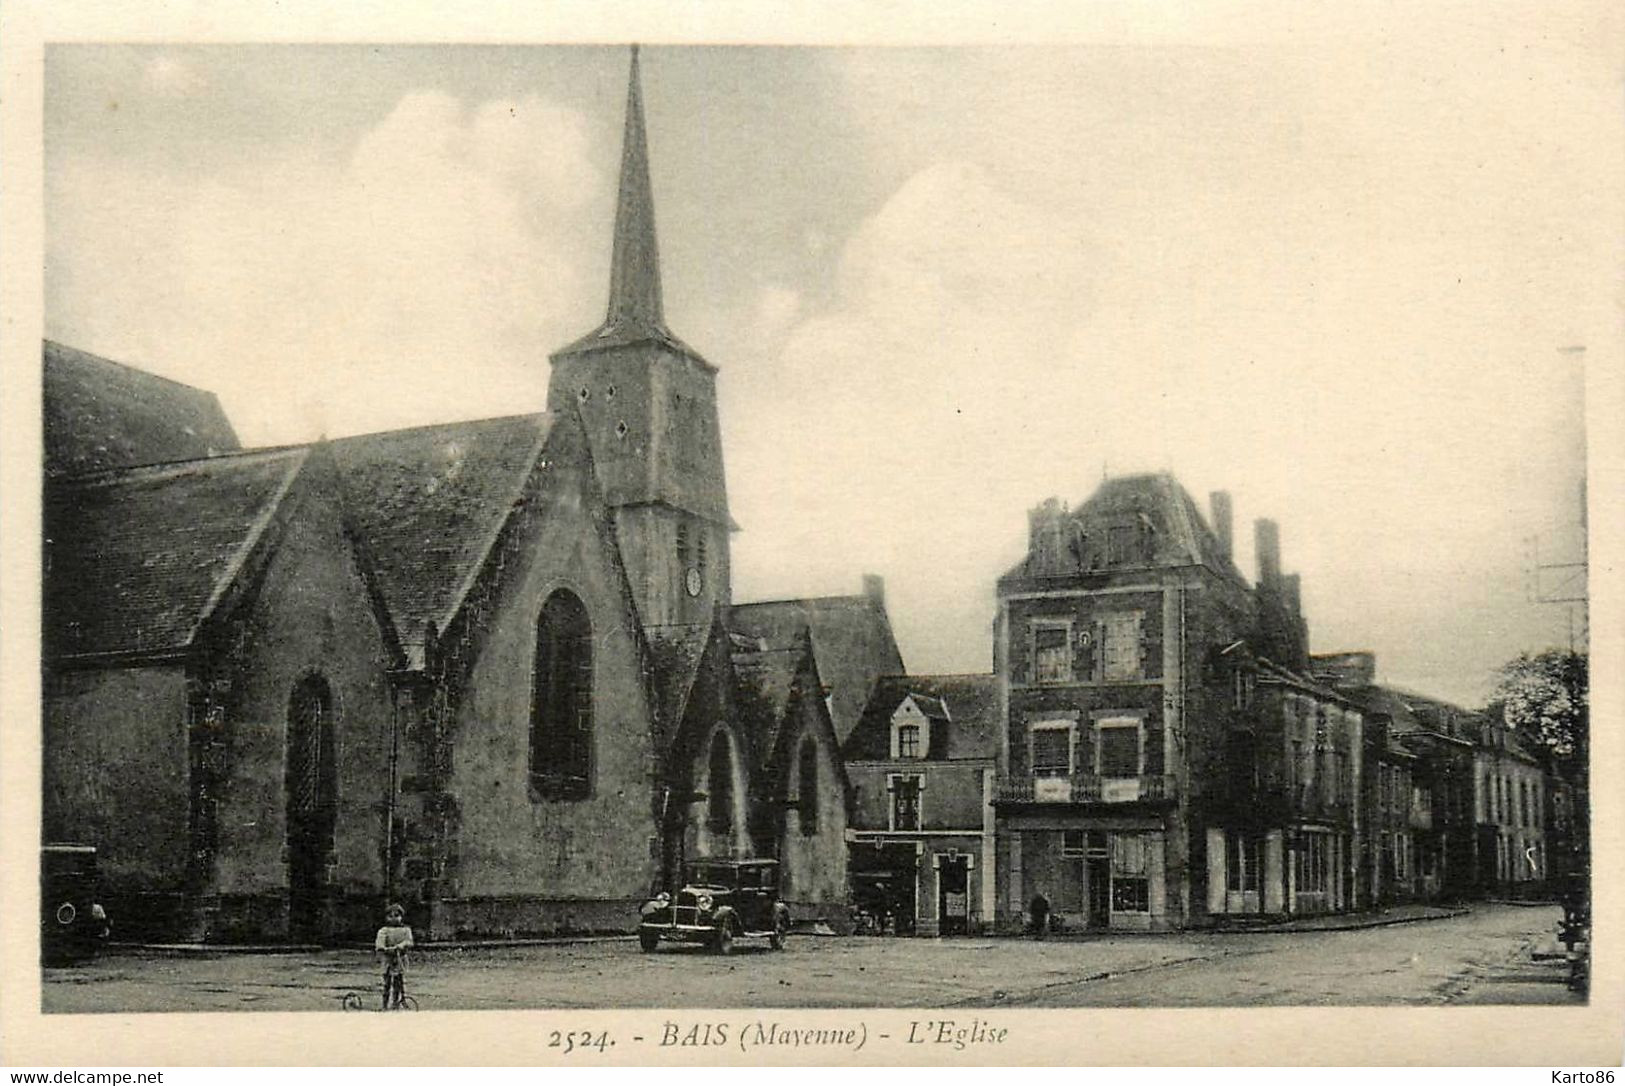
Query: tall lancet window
x=561, y=701
x=807, y=800
x=719, y=807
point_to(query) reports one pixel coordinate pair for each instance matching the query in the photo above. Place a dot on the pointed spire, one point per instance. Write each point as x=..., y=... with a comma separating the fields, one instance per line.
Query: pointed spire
x=634, y=281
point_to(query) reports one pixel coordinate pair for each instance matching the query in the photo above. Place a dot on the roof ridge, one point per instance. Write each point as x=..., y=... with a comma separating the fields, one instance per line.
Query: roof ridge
x=847, y=598
x=159, y=468
x=436, y=426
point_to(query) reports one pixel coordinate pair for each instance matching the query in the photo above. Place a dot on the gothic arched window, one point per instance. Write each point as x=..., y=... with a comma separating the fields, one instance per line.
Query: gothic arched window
x=808, y=785
x=561, y=700
x=719, y=807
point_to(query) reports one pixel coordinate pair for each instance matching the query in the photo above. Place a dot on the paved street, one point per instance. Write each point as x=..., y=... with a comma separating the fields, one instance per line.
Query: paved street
x=1477, y=958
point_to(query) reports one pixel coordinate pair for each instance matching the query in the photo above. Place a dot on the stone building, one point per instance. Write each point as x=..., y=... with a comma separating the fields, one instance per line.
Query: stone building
x=1285, y=826
x=489, y=668
x=922, y=761
x=1118, y=746
x=1512, y=809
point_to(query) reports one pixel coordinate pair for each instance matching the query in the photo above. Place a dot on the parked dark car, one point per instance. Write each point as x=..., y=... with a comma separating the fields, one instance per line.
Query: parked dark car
x=72, y=922
x=720, y=900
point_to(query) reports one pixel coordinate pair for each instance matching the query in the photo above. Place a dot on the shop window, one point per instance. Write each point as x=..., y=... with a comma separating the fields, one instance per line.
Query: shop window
x=1313, y=864
x=1241, y=862
x=1131, y=886
x=905, y=803
x=1073, y=844
x=1052, y=653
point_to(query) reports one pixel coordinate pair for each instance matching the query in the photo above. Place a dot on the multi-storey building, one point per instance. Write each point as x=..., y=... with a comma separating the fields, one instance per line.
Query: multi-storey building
x=1510, y=804
x=1117, y=636
x=922, y=761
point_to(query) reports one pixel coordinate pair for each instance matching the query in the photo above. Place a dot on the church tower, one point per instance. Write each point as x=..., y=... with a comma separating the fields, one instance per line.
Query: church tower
x=648, y=404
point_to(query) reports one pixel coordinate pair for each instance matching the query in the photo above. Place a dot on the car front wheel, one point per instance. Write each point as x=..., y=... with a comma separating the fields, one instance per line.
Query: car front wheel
x=781, y=927
x=724, y=939
x=648, y=940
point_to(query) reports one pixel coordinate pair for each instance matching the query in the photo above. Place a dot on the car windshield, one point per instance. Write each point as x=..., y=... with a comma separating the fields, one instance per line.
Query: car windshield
x=711, y=875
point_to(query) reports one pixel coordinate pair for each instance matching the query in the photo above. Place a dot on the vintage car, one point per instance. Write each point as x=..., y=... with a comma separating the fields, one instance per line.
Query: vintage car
x=720, y=900
x=72, y=922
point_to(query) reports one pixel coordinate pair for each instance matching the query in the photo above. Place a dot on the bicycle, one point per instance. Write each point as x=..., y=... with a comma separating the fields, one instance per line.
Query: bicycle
x=355, y=1001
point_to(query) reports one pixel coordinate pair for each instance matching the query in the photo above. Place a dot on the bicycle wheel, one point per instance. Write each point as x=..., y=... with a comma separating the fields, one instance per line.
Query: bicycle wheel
x=352, y=1001
x=408, y=1003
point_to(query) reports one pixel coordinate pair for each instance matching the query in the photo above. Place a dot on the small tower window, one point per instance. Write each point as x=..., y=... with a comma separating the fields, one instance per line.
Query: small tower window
x=699, y=551
x=620, y=429
x=585, y=393
x=682, y=545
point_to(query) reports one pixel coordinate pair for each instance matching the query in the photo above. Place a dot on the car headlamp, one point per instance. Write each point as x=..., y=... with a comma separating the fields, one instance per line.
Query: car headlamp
x=704, y=902
x=65, y=913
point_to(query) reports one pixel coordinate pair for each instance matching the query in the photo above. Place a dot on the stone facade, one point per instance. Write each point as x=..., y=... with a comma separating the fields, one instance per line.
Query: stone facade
x=490, y=669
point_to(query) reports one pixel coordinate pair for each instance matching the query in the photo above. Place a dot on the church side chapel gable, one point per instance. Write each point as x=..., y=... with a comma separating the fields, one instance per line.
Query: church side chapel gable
x=801, y=793
x=548, y=730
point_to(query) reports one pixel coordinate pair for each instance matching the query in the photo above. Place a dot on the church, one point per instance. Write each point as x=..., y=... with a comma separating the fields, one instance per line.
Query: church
x=490, y=669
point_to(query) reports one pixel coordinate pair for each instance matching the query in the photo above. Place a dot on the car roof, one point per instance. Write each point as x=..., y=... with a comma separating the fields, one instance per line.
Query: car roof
x=724, y=862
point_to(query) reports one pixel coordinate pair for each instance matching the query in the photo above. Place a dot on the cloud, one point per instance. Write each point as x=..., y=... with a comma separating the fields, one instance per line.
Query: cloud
x=452, y=240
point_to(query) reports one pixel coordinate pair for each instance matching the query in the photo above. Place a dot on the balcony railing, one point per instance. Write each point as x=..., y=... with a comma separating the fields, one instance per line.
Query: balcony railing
x=1086, y=788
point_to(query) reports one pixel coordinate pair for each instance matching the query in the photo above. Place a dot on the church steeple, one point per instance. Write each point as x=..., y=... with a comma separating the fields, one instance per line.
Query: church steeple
x=634, y=278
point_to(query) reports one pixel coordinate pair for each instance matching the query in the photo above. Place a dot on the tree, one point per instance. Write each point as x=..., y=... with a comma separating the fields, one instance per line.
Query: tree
x=1546, y=697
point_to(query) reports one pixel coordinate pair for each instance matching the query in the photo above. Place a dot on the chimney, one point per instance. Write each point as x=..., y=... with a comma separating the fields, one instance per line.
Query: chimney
x=1044, y=534
x=1219, y=502
x=1267, y=542
x=874, y=589
x=1293, y=590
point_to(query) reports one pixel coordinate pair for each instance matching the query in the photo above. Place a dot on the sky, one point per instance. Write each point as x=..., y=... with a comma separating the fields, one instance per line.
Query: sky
x=1354, y=286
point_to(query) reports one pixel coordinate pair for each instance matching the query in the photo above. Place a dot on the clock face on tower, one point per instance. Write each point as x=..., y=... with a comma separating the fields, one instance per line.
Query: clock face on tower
x=694, y=581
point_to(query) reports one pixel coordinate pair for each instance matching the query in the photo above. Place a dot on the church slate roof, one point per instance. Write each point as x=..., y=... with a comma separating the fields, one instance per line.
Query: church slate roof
x=100, y=414
x=427, y=504
x=851, y=639
x=764, y=681
x=971, y=701
x=136, y=559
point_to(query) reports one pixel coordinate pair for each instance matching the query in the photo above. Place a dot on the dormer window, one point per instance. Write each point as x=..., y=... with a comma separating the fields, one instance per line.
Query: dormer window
x=910, y=730
x=908, y=741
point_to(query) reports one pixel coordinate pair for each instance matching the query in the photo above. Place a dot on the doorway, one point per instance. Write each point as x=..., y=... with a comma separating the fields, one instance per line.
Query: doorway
x=312, y=788
x=1098, y=875
x=953, y=896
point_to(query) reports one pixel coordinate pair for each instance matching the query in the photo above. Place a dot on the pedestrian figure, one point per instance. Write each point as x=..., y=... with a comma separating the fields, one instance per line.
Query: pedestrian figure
x=394, y=940
x=1038, y=909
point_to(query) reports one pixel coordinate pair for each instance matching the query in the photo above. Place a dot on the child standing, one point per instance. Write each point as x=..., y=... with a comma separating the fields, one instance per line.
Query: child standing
x=394, y=940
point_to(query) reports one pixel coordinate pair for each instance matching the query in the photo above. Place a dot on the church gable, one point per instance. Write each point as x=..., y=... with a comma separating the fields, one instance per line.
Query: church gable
x=426, y=506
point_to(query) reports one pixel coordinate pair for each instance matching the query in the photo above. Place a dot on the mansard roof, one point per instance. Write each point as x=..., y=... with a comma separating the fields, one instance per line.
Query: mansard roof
x=137, y=559
x=1182, y=536
x=426, y=505
x=101, y=414
x=971, y=703
x=851, y=638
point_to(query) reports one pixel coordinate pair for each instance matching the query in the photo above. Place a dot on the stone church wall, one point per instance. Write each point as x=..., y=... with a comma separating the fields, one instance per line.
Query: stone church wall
x=311, y=616
x=814, y=865
x=115, y=777
x=524, y=864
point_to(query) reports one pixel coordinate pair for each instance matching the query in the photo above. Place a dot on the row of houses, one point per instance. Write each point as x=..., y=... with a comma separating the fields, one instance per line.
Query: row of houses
x=494, y=669
x=1157, y=748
